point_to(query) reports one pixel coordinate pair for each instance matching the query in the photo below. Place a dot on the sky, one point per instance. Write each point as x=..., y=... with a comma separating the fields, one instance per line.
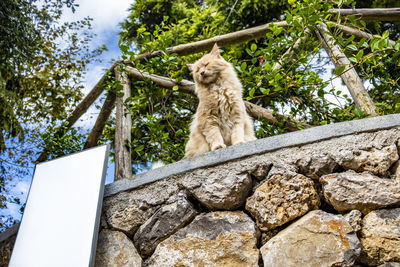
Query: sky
x=107, y=15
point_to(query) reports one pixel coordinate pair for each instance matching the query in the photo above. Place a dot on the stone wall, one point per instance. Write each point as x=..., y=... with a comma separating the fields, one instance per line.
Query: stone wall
x=331, y=201
x=326, y=203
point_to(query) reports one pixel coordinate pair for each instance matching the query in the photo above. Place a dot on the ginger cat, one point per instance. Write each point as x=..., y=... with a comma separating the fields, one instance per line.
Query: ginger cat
x=221, y=119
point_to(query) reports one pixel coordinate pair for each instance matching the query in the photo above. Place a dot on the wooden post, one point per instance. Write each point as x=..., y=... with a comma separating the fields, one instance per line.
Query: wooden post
x=350, y=77
x=101, y=121
x=123, y=163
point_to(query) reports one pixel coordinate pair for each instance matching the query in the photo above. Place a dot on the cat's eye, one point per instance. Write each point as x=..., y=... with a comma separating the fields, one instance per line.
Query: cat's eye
x=206, y=64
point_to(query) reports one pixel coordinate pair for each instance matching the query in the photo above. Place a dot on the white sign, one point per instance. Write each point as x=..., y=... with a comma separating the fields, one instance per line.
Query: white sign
x=60, y=223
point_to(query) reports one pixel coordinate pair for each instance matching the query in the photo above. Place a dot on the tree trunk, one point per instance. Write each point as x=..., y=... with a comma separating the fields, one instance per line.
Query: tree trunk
x=123, y=163
x=349, y=75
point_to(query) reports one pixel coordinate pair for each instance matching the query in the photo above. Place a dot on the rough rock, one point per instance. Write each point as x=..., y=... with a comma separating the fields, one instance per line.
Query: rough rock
x=390, y=264
x=361, y=191
x=354, y=219
x=317, y=239
x=281, y=199
x=114, y=249
x=376, y=161
x=261, y=170
x=396, y=171
x=219, y=188
x=266, y=236
x=380, y=237
x=126, y=211
x=316, y=165
x=212, y=239
x=166, y=221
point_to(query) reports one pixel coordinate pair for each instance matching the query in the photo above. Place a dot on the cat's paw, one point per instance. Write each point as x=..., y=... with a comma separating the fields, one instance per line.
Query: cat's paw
x=217, y=146
x=237, y=142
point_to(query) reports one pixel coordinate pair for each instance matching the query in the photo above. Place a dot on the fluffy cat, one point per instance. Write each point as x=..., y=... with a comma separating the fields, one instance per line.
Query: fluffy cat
x=221, y=119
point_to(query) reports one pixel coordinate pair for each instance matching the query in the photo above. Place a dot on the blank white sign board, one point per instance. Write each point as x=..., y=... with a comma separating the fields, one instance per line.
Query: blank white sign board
x=61, y=219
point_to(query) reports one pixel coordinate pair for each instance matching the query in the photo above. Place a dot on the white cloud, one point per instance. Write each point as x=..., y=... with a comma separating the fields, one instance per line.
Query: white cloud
x=106, y=14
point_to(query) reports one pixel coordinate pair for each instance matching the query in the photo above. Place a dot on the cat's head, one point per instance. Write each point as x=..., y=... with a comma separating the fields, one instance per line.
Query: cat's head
x=208, y=68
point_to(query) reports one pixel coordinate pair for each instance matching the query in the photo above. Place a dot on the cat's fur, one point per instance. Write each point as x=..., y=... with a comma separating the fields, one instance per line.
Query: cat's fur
x=221, y=119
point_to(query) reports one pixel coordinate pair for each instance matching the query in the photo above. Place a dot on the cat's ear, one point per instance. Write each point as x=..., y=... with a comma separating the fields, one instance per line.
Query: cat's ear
x=215, y=50
x=190, y=66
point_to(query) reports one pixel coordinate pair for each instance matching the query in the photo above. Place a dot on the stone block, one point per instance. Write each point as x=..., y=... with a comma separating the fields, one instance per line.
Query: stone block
x=282, y=198
x=317, y=239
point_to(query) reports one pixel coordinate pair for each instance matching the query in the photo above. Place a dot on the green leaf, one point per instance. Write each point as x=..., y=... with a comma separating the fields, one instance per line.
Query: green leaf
x=243, y=66
x=289, y=17
x=330, y=24
x=339, y=70
x=278, y=77
x=359, y=55
x=253, y=47
x=251, y=92
x=385, y=34
x=353, y=59
x=175, y=88
x=264, y=91
x=358, y=112
x=352, y=47
x=139, y=148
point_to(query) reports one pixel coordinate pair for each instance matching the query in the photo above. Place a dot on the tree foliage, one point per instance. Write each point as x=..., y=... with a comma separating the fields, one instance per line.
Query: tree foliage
x=300, y=89
x=42, y=62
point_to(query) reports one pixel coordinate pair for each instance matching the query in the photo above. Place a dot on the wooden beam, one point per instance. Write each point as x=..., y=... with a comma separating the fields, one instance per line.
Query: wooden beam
x=253, y=110
x=353, y=82
x=358, y=33
x=221, y=40
x=101, y=120
x=123, y=163
x=373, y=14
